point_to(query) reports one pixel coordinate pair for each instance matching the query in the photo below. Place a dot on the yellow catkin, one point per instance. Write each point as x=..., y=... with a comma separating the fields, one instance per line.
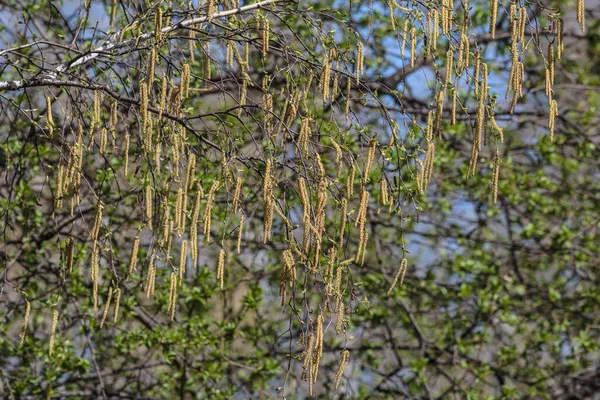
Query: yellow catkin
x=191, y=172
x=237, y=195
x=184, y=86
x=97, y=222
x=208, y=211
x=399, y=275
x=384, y=198
x=495, y=177
x=413, y=47
x=318, y=349
x=172, y=296
x=134, y=254
x=97, y=107
x=551, y=117
x=581, y=14
x=548, y=84
x=240, y=234
x=106, y=307
x=404, y=36
x=126, y=154
x=148, y=201
x=60, y=187
x=151, y=63
x=264, y=33
x=362, y=248
x=350, y=181
x=243, y=94
x=551, y=63
x=103, y=140
x=210, y=10
x=158, y=24
x=339, y=323
x=308, y=358
x=268, y=199
x=182, y=259
x=53, y=331
x=151, y=279
x=454, y=106
x=390, y=4
x=343, y=218
x=338, y=156
x=337, y=286
x=325, y=77
x=493, y=17
x=25, y=323
x=221, y=269
x=341, y=368
x=370, y=158
x=359, y=62
x=49, y=120
x=449, y=59
x=117, y=304
x=304, y=135
x=94, y=268
x=145, y=119
x=522, y=25
x=362, y=210
x=559, y=38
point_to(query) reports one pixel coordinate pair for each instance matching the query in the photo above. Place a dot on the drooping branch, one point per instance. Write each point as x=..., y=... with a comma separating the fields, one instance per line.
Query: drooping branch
x=115, y=43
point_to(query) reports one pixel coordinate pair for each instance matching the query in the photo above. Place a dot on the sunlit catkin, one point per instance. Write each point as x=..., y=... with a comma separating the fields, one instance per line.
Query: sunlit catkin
x=581, y=14
x=341, y=368
x=49, y=120
x=559, y=38
x=210, y=10
x=339, y=323
x=413, y=47
x=493, y=17
x=151, y=63
x=343, y=218
x=103, y=140
x=237, y=195
x=208, y=211
x=359, y=62
x=133, y=257
x=172, y=296
x=350, y=181
x=551, y=62
x=495, y=176
x=148, y=202
x=151, y=278
x=25, y=323
x=158, y=24
x=94, y=268
x=117, y=304
x=318, y=348
x=106, y=307
x=97, y=222
x=53, y=331
x=182, y=259
x=264, y=33
x=370, y=159
x=221, y=269
x=399, y=275
x=240, y=233
x=308, y=358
